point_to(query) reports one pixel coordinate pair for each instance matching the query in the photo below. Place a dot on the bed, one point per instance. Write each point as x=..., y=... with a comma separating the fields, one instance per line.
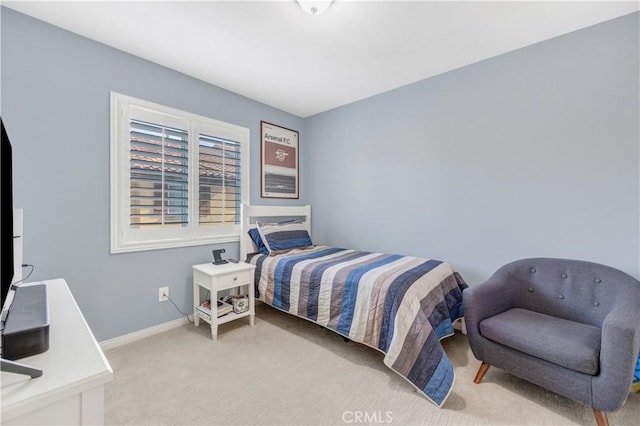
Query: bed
x=400, y=305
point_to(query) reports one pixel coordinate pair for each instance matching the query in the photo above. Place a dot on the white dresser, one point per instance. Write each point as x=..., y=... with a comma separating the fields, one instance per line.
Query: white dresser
x=75, y=370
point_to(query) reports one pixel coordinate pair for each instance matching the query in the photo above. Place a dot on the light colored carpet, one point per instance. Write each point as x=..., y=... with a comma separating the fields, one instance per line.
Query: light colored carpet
x=288, y=371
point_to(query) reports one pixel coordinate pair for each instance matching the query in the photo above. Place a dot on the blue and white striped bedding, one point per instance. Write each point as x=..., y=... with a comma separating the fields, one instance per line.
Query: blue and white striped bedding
x=400, y=305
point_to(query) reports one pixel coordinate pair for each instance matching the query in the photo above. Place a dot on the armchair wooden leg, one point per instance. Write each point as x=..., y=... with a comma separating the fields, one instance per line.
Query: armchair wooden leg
x=601, y=417
x=481, y=372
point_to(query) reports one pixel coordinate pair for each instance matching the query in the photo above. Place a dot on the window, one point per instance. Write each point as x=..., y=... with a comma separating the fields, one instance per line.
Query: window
x=177, y=179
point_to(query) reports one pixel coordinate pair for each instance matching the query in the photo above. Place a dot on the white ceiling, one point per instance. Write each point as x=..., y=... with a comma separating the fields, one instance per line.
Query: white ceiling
x=275, y=53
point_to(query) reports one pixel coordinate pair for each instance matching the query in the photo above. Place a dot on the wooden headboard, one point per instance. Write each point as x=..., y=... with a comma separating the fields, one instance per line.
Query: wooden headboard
x=250, y=214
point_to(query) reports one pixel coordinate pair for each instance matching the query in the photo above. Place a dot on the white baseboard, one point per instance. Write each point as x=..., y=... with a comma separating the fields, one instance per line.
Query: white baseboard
x=141, y=334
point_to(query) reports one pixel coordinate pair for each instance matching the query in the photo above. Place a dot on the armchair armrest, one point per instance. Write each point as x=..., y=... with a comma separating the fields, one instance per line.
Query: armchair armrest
x=484, y=300
x=487, y=299
x=618, y=354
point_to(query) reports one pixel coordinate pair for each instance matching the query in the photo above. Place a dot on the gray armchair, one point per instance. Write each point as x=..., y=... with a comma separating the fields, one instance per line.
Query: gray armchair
x=569, y=326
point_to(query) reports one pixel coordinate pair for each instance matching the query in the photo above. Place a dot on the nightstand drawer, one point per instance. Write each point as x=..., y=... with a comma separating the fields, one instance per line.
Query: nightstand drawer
x=233, y=279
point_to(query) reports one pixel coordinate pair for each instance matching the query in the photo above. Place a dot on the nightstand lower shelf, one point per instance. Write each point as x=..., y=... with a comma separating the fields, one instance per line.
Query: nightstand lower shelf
x=224, y=318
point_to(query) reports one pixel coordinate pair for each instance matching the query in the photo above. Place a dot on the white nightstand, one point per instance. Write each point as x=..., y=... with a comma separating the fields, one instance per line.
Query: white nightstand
x=216, y=278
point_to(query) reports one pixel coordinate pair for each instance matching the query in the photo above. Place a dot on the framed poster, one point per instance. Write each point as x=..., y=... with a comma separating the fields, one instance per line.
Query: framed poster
x=279, y=174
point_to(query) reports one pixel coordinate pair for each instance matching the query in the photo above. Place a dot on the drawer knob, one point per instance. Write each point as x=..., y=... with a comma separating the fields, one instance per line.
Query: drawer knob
x=235, y=278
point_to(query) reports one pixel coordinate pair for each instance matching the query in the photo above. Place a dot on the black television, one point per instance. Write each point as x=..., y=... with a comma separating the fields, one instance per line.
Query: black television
x=6, y=203
x=24, y=325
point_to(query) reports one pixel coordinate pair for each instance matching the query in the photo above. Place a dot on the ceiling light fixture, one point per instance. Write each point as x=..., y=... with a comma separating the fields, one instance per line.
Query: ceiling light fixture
x=314, y=7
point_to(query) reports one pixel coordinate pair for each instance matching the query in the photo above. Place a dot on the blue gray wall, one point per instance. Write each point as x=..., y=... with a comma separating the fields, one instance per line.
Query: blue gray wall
x=55, y=106
x=531, y=153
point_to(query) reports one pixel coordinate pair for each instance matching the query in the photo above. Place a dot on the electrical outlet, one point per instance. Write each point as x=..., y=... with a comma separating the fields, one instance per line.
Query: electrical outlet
x=163, y=293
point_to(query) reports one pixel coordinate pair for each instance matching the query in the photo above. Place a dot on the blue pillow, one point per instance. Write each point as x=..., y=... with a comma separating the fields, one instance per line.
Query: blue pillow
x=283, y=237
x=257, y=240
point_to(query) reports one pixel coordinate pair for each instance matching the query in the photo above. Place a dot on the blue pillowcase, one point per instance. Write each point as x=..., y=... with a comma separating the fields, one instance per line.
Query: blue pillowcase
x=282, y=237
x=257, y=240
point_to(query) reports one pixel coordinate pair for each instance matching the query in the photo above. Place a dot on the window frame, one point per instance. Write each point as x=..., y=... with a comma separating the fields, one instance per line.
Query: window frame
x=125, y=239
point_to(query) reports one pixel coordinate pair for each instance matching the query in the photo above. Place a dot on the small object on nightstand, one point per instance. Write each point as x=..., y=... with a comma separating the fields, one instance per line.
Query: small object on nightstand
x=217, y=259
x=224, y=308
x=233, y=260
x=240, y=302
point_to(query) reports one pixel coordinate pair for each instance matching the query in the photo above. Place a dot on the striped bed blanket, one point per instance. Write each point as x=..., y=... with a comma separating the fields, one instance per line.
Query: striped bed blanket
x=400, y=305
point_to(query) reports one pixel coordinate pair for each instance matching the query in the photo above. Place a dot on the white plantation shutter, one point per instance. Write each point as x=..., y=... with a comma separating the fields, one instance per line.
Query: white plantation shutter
x=159, y=175
x=220, y=190
x=178, y=179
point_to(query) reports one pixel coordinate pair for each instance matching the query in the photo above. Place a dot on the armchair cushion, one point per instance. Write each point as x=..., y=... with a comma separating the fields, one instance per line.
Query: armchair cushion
x=562, y=342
